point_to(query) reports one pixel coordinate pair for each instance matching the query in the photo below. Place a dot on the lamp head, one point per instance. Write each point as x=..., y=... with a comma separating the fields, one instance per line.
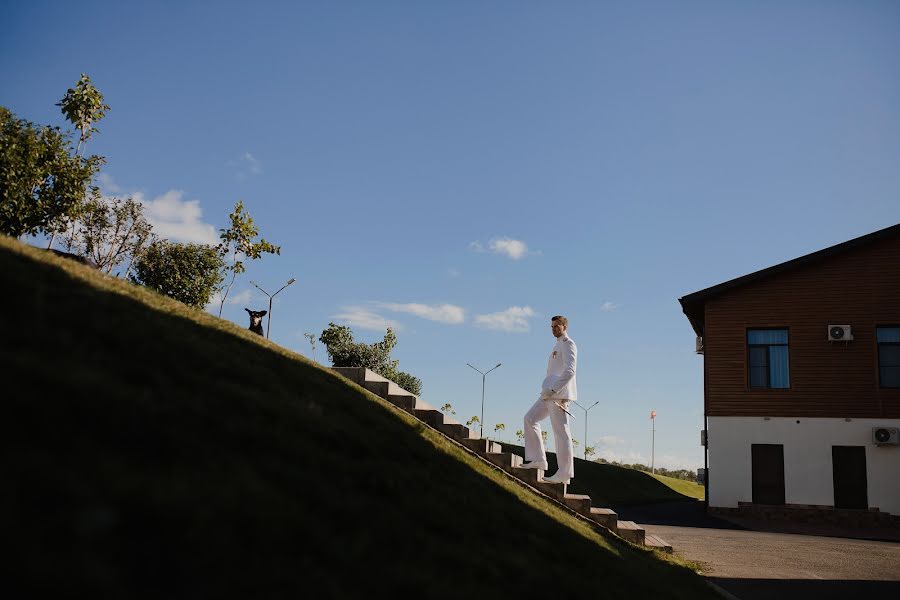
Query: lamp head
x=290, y=281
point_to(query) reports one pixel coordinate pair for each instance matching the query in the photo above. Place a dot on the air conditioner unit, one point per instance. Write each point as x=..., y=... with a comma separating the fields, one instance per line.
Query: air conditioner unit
x=839, y=333
x=886, y=436
x=698, y=345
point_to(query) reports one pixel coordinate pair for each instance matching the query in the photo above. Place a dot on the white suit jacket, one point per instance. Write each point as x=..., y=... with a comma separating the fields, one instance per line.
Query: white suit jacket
x=559, y=384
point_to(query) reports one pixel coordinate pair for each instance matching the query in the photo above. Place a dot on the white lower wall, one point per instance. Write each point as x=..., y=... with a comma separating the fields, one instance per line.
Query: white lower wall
x=807, y=458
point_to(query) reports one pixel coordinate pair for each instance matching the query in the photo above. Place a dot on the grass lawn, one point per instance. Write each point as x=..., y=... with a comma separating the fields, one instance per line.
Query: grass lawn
x=155, y=451
x=611, y=486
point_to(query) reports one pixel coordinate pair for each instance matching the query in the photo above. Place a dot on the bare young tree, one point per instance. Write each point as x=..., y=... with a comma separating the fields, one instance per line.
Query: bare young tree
x=312, y=342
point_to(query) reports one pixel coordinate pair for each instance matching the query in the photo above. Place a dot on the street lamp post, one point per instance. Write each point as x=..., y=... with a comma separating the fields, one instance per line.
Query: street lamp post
x=483, y=375
x=269, y=321
x=585, y=423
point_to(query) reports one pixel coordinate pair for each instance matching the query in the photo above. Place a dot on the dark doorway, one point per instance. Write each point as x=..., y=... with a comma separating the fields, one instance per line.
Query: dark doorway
x=768, y=473
x=850, y=483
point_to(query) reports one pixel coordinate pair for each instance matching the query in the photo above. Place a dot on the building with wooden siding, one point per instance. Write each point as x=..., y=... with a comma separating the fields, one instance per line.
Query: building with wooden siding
x=801, y=366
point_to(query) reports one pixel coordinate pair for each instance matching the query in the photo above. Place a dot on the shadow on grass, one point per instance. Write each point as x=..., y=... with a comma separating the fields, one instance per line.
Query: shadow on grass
x=609, y=485
x=165, y=453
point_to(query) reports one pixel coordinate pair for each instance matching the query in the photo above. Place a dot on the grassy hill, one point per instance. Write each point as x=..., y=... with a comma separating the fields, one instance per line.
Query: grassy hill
x=611, y=485
x=154, y=451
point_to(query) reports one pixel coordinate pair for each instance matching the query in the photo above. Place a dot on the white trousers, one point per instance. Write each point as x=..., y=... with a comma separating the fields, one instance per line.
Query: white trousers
x=562, y=434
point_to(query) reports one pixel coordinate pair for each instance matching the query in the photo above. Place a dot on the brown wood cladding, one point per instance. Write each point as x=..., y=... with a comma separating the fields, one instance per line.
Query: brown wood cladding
x=860, y=288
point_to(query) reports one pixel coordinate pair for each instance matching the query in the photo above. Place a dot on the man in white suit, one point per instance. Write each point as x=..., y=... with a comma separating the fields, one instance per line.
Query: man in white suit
x=557, y=391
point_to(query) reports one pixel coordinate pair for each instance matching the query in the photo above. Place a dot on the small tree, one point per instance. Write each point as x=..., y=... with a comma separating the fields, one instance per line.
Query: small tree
x=82, y=106
x=544, y=437
x=498, y=428
x=185, y=272
x=312, y=342
x=589, y=451
x=447, y=409
x=110, y=231
x=520, y=435
x=237, y=241
x=471, y=423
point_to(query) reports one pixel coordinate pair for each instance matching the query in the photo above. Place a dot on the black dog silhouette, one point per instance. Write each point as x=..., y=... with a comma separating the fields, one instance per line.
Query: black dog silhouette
x=256, y=320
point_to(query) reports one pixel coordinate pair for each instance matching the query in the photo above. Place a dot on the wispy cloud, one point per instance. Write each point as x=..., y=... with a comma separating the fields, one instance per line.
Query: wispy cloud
x=442, y=313
x=176, y=219
x=365, y=318
x=608, y=306
x=245, y=166
x=107, y=185
x=453, y=273
x=171, y=216
x=505, y=246
x=609, y=440
x=514, y=319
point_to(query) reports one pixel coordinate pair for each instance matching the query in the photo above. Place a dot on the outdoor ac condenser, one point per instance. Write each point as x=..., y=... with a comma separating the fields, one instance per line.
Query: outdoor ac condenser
x=886, y=436
x=839, y=333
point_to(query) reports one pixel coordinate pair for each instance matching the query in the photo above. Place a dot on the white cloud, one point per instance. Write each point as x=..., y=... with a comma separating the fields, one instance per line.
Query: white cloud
x=608, y=306
x=176, y=219
x=609, y=440
x=107, y=185
x=245, y=166
x=514, y=249
x=364, y=318
x=442, y=313
x=245, y=297
x=453, y=273
x=514, y=319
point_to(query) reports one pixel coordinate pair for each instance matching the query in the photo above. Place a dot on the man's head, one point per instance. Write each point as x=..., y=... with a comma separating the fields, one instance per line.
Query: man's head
x=558, y=325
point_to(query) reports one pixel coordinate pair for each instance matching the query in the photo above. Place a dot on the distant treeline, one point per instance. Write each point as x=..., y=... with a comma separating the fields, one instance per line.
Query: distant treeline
x=685, y=474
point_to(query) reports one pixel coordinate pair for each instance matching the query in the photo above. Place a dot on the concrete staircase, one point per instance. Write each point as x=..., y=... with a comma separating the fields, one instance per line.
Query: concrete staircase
x=580, y=504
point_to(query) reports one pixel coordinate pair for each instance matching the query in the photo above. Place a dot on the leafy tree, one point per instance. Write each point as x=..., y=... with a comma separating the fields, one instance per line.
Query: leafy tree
x=344, y=352
x=43, y=184
x=447, y=409
x=237, y=242
x=498, y=428
x=186, y=272
x=111, y=230
x=472, y=422
x=520, y=435
x=589, y=451
x=544, y=437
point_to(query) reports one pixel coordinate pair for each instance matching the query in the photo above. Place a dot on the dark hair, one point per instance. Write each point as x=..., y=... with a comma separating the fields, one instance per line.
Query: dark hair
x=564, y=321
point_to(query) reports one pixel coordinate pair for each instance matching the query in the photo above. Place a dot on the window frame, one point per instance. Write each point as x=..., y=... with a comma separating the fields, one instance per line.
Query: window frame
x=878, y=346
x=748, y=345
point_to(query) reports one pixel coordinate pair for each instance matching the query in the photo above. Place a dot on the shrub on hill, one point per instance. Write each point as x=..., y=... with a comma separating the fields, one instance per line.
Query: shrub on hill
x=185, y=272
x=344, y=352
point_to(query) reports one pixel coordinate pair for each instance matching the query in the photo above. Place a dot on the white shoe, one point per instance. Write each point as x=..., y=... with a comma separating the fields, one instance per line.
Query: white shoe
x=557, y=478
x=534, y=465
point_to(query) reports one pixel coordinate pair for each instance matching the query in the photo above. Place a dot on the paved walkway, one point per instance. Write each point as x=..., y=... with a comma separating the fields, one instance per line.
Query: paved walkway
x=769, y=565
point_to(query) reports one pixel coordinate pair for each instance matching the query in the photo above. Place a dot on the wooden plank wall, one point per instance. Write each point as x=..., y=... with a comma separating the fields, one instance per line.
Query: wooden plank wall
x=828, y=379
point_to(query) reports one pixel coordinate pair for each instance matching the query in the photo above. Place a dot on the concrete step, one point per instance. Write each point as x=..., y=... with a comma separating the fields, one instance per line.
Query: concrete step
x=457, y=431
x=557, y=491
x=433, y=417
x=580, y=503
x=605, y=516
x=529, y=476
x=631, y=531
x=482, y=445
x=506, y=461
x=407, y=402
x=656, y=542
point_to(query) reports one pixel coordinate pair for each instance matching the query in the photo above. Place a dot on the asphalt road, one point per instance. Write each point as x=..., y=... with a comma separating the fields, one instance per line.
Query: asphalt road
x=769, y=565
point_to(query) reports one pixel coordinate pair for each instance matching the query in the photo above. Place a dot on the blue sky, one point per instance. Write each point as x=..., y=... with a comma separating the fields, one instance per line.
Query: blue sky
x=465, y=170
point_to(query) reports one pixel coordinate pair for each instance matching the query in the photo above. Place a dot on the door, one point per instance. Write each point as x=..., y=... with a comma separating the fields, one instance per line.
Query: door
x=768, y=473
x=850, y=483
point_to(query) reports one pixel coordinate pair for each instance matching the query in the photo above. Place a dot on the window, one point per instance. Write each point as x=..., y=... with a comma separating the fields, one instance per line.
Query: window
x=888, y=339
x=767, y=353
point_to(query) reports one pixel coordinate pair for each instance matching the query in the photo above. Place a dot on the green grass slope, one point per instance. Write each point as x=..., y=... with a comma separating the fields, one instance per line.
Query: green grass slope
x=155, y=451
x=610, y=485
